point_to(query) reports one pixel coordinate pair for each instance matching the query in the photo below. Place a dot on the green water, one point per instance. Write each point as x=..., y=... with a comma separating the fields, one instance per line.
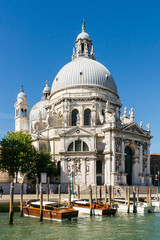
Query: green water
x=122, y=226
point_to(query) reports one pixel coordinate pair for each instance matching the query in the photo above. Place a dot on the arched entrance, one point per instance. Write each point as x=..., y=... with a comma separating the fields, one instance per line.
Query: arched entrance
x=128, y=164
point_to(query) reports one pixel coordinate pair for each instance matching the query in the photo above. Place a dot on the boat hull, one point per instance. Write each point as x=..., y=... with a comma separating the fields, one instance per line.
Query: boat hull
x=51, y=215
x=139, y=208
x=97, y=212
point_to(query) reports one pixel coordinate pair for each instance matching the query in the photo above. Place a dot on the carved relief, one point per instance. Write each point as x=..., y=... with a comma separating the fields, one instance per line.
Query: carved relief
x=54, y=120
x=117, y=163
x=144, y=164
x=118, y=144
x=87, y=166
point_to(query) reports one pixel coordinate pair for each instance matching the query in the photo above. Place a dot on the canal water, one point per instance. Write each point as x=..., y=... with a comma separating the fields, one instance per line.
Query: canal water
x=122, y=226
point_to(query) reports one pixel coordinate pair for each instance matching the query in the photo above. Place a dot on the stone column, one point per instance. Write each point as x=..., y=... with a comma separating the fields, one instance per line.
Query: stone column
x=93, y=171
x=64, y=177
x=122, y=156
x=83, y=169
x=113, y=158
x=81, y=114
x=141, y=159
x=107, y=170
x=141, y=165
x=148, y=158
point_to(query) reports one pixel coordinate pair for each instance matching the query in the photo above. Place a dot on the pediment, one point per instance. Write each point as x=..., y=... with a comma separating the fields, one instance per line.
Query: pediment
x=77, y=131
x=134, y=128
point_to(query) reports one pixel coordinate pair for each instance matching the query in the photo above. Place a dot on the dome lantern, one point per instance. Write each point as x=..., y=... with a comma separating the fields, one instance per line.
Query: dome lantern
x=46, y=91
x=83, y=45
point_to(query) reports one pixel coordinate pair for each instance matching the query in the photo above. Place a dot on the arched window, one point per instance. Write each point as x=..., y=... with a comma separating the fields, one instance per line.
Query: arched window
x=78, y=146
x=74, y=117
x=128, y=164
x=21, y=112
x=85, y=147
x=25, y=113
x=87, y=117
x=70, y=148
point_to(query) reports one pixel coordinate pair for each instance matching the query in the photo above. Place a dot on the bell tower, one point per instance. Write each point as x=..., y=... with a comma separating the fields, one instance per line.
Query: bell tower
x=21, y=112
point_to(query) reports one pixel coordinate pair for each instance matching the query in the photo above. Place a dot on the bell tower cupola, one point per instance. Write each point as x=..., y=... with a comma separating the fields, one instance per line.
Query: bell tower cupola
x=46, y=91
x=21, y=112
x=83, y=44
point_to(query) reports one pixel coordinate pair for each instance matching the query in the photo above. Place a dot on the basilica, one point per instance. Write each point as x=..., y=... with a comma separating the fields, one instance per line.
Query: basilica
x=79, y=122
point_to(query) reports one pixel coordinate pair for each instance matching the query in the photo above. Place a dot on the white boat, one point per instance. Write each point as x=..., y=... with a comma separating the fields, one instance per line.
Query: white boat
x=156, y=203
x=98, y=209
x=140, y=207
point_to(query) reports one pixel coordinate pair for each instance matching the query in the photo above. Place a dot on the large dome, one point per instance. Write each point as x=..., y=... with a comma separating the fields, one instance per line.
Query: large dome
x=38, y=108
x=83, y=71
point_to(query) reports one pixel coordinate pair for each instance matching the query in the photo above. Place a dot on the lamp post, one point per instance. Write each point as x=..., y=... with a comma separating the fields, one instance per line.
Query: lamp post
x=72, y=174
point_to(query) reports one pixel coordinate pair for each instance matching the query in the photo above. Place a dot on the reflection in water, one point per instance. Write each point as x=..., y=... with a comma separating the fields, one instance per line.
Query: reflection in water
x=122, y=226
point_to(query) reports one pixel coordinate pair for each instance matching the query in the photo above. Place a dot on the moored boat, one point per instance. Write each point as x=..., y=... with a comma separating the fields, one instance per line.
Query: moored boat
x=99, y=209
x=140, y=207
x=51, y=210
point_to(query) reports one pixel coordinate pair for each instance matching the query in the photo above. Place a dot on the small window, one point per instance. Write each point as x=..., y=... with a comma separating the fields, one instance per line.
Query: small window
x=82, y=47
x=85, y=147
x=70, y=148
x=74, y=117
x=99, y=167
x=87, y=117
x=25, y=113
x=21, y=112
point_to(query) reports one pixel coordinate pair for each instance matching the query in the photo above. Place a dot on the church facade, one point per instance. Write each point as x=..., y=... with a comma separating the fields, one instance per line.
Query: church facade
x=78, y=121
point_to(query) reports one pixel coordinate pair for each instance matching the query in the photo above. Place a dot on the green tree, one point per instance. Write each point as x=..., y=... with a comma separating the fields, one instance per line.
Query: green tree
x=42, y=163
x=16, y=153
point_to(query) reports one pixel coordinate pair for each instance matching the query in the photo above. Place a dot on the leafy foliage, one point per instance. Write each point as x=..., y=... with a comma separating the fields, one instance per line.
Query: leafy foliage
x=42, y=164
x=19, y=155
x=16, y=152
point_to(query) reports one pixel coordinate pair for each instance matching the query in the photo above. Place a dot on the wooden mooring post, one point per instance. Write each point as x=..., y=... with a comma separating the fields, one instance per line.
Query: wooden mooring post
x=37, y=186
x=110, y=195
x=126, y=193
x=128, y=203
x=41, y=202
x=78, y=192
x=134, y=200
x=69, y=195
x=100, y=193
x=90, y=199
x=149, y=196
x=21, y=200
x=59, y=193
x=96, y=193
x=48, y=181
x=137, y=191
x=11, y=202
x=105, y=193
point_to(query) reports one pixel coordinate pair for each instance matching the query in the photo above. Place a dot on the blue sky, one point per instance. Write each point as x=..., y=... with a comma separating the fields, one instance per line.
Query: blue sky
x=37, y=38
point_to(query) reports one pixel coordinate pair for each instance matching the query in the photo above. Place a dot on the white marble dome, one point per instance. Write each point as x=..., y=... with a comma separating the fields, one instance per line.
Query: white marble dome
x=83, y=71
x=38, y=108
x=83, y=35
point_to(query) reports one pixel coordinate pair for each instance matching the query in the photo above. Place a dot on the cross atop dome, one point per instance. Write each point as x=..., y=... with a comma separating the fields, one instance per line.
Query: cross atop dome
x=83, y=45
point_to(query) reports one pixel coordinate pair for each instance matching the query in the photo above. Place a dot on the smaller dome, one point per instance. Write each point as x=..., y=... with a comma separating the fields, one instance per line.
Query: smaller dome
x=38, y=108
x=46, y=89
x=22, y=95
x=83, y=35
